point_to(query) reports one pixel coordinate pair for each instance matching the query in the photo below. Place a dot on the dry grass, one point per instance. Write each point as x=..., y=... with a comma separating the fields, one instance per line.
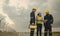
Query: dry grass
x=23, y=34
x=8, y=34
x=27, y=34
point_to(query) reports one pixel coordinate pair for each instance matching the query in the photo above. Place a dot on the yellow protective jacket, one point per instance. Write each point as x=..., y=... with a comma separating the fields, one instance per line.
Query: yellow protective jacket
x=39, y=20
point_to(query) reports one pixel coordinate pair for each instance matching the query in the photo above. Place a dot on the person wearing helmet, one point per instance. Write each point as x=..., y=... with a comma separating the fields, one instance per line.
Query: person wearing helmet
x=32, y=20
x=48, y=23
x=32, y=16
x=39, y=22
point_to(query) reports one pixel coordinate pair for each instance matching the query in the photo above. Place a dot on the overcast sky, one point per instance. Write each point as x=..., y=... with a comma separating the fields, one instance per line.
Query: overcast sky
x=19, y=11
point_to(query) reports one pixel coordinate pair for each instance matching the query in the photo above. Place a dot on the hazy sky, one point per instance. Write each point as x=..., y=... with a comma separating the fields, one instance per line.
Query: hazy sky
x=19, y=11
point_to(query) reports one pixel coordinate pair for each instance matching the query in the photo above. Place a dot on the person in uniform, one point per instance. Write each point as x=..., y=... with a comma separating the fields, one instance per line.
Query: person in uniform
x=48, y=23
x=32, y=20
x=39, y=22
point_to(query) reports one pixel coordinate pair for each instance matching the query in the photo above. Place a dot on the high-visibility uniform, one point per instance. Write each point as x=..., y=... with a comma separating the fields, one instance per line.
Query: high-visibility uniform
x=39, y=25
x=32, y=17
x=33, y=26
x=47, y=24
x=38, y=20
x=32, y=20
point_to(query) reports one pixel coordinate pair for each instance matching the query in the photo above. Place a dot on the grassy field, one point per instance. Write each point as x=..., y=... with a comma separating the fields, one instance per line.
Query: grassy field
x=8, y=34
x=27, y=34
x=23, y=34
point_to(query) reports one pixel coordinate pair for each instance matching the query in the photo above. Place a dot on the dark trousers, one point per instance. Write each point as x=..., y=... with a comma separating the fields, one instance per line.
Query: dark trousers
x=32, y=32
x=48, y=29
x=39, y=29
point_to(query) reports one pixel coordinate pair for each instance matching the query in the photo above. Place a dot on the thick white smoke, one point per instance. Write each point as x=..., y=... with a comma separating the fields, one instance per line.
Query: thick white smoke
x=6, y=23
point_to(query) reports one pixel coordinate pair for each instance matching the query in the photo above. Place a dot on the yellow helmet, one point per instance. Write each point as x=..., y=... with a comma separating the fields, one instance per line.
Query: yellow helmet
x=34, y=8
x=47, y=11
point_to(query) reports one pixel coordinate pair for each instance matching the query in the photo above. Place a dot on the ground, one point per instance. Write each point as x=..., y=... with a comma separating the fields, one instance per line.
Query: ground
x=23, y=34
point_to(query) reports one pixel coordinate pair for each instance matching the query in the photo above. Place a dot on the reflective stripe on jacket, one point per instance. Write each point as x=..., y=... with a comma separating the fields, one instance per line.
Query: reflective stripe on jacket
x=38, y=20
